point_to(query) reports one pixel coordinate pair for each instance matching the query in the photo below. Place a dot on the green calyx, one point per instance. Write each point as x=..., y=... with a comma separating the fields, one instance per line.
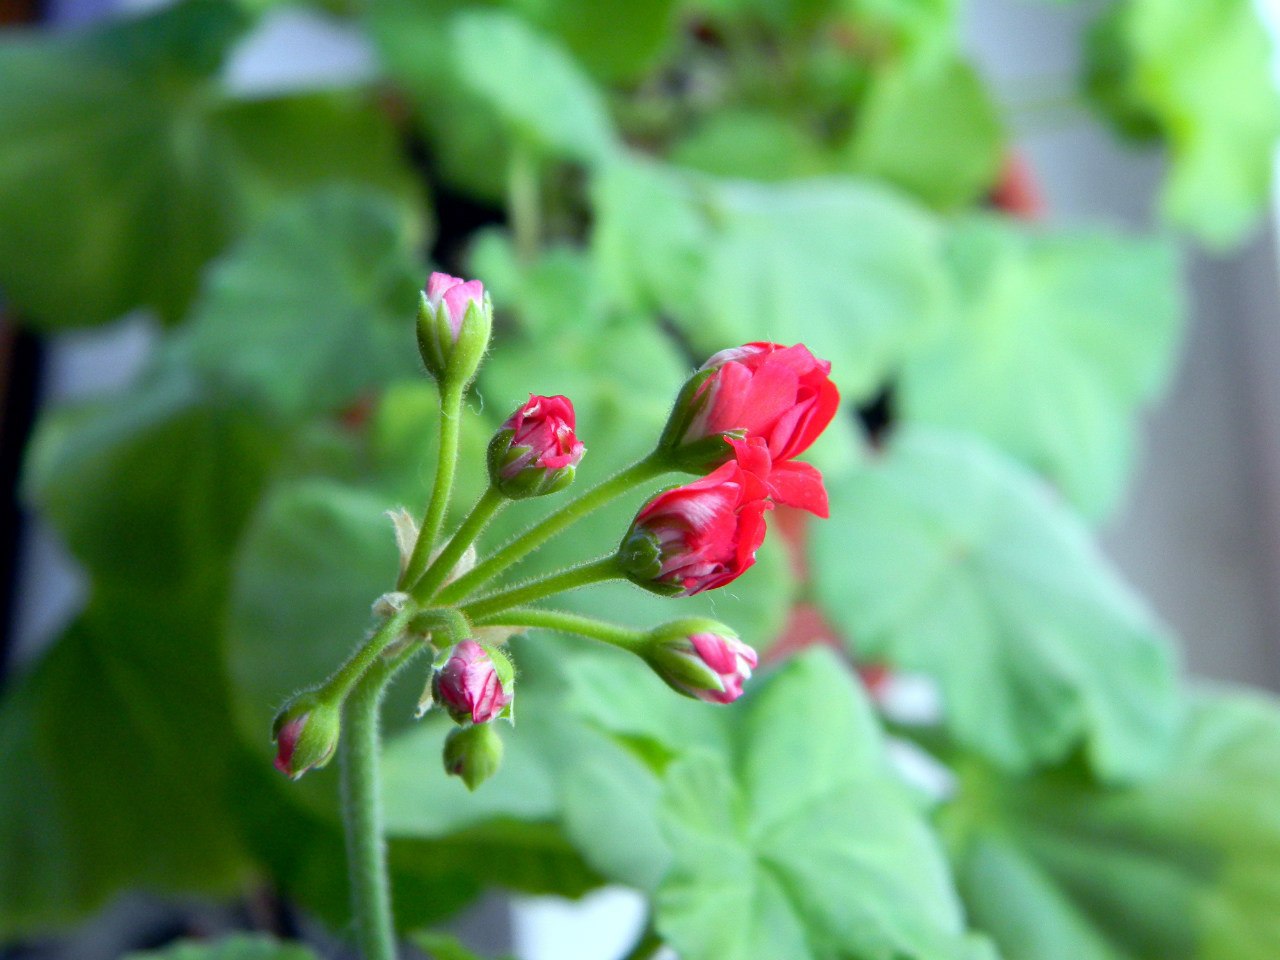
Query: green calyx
x=671, y=653
x=451, y=358
x=640, y=560
x=473, y=753
x=306, y=734
x=529, y=481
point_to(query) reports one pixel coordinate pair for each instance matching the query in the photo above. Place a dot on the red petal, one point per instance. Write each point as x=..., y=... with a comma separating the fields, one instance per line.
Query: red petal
x=799, y=484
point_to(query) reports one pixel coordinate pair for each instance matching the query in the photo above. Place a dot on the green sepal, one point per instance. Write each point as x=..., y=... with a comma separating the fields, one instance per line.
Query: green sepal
x=640, y=560
x=446, y=359
x=671, y=655
x=317, y=740
x=532, y=481
x=473, y=753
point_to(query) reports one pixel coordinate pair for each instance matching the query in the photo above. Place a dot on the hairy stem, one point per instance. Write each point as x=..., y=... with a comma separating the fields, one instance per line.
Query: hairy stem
x=339, y=686
x=362, y=817
x=490, y=502
x=595, y=571
x=450, y=420
x=566, y=622
x=544, y=530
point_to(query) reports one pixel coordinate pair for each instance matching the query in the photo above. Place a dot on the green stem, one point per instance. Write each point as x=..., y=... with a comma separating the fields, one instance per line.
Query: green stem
x=650, y=467
x=565, y=622
x=595, y=571
x=523, y=201
x=339, y=686
x=490, y=502
x=362, y=816
x=450, y=419
x=648, y=944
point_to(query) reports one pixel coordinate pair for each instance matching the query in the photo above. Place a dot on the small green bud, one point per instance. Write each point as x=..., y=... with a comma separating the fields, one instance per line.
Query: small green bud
x=306, y=734
x=473, y=753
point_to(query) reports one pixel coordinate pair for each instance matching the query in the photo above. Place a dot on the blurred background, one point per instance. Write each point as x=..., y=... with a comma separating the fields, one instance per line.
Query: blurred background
x=1036, y=112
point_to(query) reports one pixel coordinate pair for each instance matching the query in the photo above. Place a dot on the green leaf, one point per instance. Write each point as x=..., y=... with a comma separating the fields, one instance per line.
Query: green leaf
x=314, y=306
x=125, y=166
x=533, y=85
x=150, y=490
x=844, y=266
x=590, y=29
x=812, y=849
x=1058, y=868
x=1203, y=70
x=945, y=558
x=442, y=946
x=234, y=947
x=932, y=131
x=739, y=142
x=1058, y=340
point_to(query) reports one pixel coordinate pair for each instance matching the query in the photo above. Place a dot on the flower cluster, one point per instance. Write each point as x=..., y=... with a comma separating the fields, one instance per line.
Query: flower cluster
x=738, y=424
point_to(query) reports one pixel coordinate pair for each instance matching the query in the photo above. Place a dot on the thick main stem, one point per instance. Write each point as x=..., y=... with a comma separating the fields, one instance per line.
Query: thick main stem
x=446, y=463
x=490, y=502
x=596, y=571
x=362, y=816
x=548, y=527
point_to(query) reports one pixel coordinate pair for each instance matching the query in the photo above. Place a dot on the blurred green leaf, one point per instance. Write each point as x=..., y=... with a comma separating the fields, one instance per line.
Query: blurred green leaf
x=532, y=84
x=945, y=558
x=1203, y=70
x=313, y=306
x=807, y=847
x=124, y=166
x=1059, y=338
x=124, y=722
x=234, y=947
x=442, y=946
x=842, y=265
x=150, y=488
x=1057, y=868
x=739, y=142
x=932, y=131
x=615, y=40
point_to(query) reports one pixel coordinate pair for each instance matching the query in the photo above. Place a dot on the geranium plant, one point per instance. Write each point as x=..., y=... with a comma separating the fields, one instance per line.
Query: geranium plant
x=742, y=266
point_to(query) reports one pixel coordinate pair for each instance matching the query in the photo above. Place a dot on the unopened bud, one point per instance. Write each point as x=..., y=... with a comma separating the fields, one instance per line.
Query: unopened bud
x=454, y=321
x=473, y=753
x=701, y=658
x=535, y=452
x=306, y=734
x=475, y=684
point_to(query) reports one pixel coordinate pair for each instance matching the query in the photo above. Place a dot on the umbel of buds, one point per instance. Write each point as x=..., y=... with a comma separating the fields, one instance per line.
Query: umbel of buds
x=473, y=753
x=306, y=734
x=535, y=452
x=454, y=321
x=702, y=535
x=700, y=658
x=475, y=684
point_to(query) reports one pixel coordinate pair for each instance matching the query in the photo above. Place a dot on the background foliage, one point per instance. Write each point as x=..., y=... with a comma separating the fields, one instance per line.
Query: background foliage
x=636, y=198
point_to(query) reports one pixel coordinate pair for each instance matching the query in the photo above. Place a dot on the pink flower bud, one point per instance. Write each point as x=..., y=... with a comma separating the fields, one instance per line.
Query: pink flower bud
x=704, y=534
x=475, y=683
x=454, y=322
x=456, y=294
x=702, y=659
x=306, y=735
x=536, y=452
